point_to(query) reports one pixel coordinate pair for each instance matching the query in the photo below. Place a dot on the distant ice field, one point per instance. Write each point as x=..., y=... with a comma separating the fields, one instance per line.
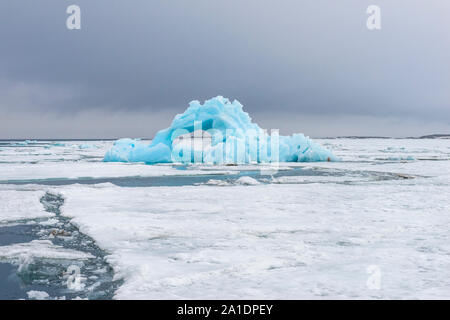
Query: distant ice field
x=372, y=226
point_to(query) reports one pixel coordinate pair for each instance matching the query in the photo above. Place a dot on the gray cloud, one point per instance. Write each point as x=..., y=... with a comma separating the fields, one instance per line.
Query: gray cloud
x=282, y=59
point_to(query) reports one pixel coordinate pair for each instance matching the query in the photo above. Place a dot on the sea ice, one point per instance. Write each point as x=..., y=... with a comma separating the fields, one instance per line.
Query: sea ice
x=234, y=139
x=247, y=181
x=18, y=172
x=244, y=181
x=270, y=240
x=87, y=146
x=18, y=205
x=59, y=144
x=40, y=249
x=23, y=143
x=284, y=238
x=38, y=295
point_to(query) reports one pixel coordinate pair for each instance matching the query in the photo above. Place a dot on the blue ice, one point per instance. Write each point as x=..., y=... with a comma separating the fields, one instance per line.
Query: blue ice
x=234, y=138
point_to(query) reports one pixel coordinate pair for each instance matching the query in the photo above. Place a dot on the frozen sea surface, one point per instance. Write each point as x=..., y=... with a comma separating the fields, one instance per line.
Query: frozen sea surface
x=374, y=225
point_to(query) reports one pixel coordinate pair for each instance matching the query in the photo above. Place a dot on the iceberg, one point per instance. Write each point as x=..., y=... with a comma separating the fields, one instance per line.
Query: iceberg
x=231, y=137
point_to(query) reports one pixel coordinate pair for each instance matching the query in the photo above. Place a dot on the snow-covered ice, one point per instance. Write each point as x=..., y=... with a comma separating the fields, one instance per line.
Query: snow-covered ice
x=312, y=230
x=84, y=170
x=43, y=249
x=17, y=205
x=38, y=295
x=270, y=241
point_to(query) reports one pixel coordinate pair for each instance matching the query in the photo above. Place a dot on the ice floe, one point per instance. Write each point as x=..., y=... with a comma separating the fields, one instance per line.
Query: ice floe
x=21, y=205
x=41, y=249
x=269, y=240
x=38, y=295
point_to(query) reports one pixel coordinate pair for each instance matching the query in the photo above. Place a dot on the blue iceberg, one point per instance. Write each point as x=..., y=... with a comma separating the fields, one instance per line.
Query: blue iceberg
x=231, y=137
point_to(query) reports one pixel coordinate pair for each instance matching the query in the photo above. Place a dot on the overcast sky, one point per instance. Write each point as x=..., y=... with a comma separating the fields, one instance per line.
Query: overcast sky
x=307, y=66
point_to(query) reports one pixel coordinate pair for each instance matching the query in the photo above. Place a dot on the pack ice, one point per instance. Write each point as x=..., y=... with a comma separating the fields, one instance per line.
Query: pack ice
x=234, y=138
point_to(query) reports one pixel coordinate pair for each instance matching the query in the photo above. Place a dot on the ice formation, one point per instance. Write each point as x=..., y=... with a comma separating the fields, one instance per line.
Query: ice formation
x=38, y=295
x=23, y=143
x=41, y=249
x=234, y=138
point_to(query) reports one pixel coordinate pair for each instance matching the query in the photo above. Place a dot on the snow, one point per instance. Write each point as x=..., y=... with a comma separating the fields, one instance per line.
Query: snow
x=234, y=139
x=270, y=241
x=38, y=295
x=247, y=181
x=41, y=249
x=49, y=222
x=244, y=181
x=315, y=230
x=85, y=170
x=88, y=146
x=23, y=143
x=18, y=205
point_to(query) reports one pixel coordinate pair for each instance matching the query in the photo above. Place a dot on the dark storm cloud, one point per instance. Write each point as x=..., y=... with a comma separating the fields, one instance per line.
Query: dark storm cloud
x=287, y=58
